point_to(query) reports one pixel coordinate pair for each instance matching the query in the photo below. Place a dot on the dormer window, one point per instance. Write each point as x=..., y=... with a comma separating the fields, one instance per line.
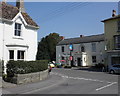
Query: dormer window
x=119, y=26
x=17, y=29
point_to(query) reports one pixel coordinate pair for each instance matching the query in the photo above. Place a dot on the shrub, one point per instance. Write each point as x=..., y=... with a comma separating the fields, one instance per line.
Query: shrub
x=23, y=67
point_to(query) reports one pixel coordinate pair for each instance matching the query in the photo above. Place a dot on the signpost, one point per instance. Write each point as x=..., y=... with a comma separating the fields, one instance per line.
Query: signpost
x=71, y=57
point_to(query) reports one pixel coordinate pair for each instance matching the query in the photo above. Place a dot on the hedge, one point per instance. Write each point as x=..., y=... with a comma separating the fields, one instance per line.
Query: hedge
x=23, y=67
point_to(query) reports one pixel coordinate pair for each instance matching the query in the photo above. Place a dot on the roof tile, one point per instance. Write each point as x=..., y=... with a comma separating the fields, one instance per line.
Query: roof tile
x=9, y=12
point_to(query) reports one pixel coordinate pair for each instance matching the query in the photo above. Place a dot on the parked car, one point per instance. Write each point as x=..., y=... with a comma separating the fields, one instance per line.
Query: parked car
x=114, y=69
x=51, y=64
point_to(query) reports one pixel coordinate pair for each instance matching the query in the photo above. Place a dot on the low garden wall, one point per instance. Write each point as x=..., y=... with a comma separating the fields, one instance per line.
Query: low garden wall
x=30, y=77
x=21, y=72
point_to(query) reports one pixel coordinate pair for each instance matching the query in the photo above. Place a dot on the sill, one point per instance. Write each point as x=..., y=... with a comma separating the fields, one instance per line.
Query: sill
x=20, y=59
x=18, y=37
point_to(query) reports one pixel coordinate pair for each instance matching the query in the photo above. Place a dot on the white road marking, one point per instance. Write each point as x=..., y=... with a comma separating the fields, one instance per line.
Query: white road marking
x=78, y=78
x=95, y=80
x=105, y=86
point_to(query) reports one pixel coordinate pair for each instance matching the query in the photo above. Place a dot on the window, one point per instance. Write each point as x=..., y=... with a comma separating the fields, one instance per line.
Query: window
x=62, y=48
x=93, y=47
x=117, y=42
x=82, y=49
x=94, y=59
x=20, y=55
x=115, y=60
x=62, y=58
x=118, y=25
x=11, y=54
x=17, y=29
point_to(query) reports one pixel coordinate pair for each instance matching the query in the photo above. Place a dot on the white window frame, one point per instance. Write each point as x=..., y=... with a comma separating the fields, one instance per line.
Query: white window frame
x=17, y=29
x=13, y=55
x=20, y=55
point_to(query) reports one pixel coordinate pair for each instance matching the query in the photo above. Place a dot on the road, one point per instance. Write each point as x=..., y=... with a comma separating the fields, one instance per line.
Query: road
x=72, y=81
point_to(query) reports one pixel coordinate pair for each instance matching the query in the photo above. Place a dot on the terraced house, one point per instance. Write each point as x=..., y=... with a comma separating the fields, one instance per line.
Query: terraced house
x=112, y=39
x=81, y=51
x=18, y=33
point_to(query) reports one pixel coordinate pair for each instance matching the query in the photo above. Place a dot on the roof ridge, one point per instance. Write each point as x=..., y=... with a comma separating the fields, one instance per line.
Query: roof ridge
x=85, y=36
x=10, y=5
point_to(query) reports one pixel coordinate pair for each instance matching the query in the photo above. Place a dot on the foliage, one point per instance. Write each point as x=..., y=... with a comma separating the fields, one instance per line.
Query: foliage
x=47, y=47
x=23, y=67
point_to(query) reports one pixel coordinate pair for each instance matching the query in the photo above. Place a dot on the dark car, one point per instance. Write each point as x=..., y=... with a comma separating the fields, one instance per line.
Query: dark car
x=114, y=69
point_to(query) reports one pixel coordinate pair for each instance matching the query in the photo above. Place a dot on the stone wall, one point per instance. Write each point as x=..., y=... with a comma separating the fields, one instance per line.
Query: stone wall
x=31, y=77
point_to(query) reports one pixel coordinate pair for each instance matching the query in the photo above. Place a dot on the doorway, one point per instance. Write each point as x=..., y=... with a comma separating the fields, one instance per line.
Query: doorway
x=79, y=61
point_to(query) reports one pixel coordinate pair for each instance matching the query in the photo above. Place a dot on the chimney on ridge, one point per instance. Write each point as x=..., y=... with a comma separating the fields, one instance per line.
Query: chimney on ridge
x=81, y=36
x=113, y=13
x=4, y=1
x=20, y=5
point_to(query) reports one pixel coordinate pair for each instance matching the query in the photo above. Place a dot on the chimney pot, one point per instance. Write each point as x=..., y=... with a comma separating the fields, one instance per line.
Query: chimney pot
x=20, y=5
x=4, y=1
x=81, y=36
x=113, y=13
x=62, y=37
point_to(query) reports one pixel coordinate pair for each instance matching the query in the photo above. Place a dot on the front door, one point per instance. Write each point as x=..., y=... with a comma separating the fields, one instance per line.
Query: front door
x=79, y=61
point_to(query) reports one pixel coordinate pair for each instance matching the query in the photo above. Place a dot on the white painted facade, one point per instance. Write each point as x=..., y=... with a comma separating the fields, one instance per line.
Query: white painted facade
x=27, y=42
x=81, y=58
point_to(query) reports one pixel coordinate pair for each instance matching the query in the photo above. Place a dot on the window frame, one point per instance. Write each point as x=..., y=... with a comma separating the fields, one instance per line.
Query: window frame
x=117, y=42
x=11, y=54
x=19, y=55
x=18, y=30
x=63, y=49
x=94, y=60
x=82, y=48
x=94, y=47
x=118, y=24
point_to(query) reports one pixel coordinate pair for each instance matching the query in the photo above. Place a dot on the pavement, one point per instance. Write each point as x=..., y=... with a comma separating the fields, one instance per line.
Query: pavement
x=51, y=81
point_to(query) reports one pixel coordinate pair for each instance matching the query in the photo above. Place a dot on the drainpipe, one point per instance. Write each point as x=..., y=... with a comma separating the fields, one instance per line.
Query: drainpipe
x=3, y=45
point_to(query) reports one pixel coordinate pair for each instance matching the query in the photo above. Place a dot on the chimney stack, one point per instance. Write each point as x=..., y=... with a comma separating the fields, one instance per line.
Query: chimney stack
x=113, y=13
x=20, y=5
x=62, y=37
x=4, y=1
x=81, y=36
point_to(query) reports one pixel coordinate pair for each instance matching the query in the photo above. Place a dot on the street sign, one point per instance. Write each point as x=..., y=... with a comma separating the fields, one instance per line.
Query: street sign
x=71, y=47
x=70, y=58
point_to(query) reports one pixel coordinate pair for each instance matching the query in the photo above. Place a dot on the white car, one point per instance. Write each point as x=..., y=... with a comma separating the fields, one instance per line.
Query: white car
x=114, y=69
x=52, y=65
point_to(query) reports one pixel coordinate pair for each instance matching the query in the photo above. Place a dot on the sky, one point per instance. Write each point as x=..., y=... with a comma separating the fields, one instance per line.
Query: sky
x=70, y=19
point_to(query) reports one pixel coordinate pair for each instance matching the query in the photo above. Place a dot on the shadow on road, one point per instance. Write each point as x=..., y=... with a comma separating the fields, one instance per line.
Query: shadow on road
x=94, y=69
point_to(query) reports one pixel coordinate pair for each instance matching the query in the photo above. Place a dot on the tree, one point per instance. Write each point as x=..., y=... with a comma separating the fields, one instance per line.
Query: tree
x=47, y=47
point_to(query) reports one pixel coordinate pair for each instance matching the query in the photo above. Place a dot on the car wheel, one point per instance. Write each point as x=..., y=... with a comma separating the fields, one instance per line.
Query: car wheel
x=112, y=71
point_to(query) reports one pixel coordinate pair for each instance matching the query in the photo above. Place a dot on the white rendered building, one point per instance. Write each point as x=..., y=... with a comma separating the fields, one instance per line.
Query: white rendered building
x=18, y=33
x=81, y=51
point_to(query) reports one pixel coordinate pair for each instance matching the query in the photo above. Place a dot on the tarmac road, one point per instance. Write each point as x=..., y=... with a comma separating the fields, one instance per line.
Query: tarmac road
x=70, y=81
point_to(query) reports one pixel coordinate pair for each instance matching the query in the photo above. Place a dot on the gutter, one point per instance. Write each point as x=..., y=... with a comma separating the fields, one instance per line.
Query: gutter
x=32, y=26
x=2, y=19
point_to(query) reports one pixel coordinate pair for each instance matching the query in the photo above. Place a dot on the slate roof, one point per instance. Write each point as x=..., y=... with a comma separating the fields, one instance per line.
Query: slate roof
x=115, y=17
x=85, y=39
x=9, y=12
